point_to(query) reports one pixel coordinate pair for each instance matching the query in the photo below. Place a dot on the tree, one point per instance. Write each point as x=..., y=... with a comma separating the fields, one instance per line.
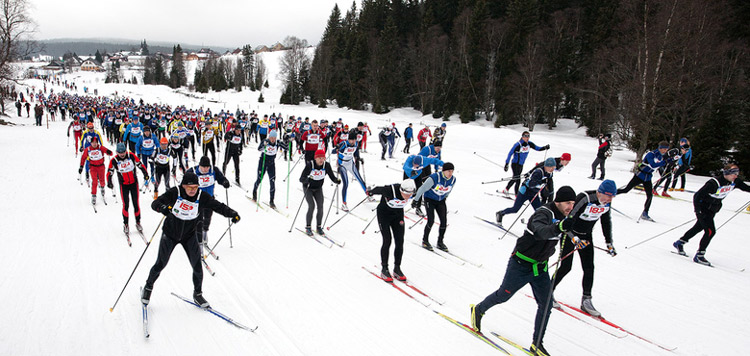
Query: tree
x=98, y=57
x=248, y=66
x=144, y=48
x=295, y=64
x=16, y=36
x=177, y=76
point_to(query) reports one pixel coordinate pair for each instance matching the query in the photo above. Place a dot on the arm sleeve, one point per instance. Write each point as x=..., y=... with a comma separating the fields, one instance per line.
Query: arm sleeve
x=581, y=201
x=510, y=153
x=164, y=200
x=702, y=194
x=220, y=177
x=380, y=190
x=606, y=220
x=426, y=185
x=307, y=170
x=534, y=146
x=217, y=206
x=329, y=171
x=542, y=225
x=84, y=155
x=741, y=185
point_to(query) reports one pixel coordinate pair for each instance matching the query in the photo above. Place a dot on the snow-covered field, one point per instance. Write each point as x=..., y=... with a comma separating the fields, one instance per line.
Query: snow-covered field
x=65, y=265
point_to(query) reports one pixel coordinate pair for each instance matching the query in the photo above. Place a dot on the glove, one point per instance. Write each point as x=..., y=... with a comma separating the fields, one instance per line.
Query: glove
x=565, y=224
x=362, y=160
x=546, y=147
x=337, y=181
x=506, y=167
x=226, y=184
x=145, y=177
x=110, y=186
x=81, y=149
x=611, y=249
x=368, y=192
x=80, y=169
x=306, y=180
x=68, y=134
x=235, y=219
x=578, y=242
x=166, y=209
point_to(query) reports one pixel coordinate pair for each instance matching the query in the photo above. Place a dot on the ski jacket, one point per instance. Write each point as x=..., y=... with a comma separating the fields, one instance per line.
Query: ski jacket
x=313, y=175
x=604, y=146
x=145, y=145
x=436, y=187
x=541, y=234
x=587, y=211
x=347, y=152
x=313, y=140
x=183, y=213
x=412, y=173
x=268, y=151
x=235, y=142
x=207, y=181
x=424, y=134
x=520, y=151
x=125, y=168
x=95, y=156
x=709, y=197
x=391, y=200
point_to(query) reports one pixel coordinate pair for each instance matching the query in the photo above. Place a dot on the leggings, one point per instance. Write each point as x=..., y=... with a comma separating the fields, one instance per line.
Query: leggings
x=270, y=172
x=647, y=186
x=161, y=173
x=314, y=196
x=343, y=168
x=587, y=263
x=391, y=222
x=209, y=147
x=597, y=162
x=517, y=168
x=166, y=246
x=520, y=200
x=706, y=223
x=681, y=174
x=132, y=190
x=442, y=210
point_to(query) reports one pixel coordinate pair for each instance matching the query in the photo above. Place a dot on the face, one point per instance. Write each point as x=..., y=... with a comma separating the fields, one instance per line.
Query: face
x=564, y=163
x=352, y=142
x=525, y=138
x=320, y=160
x=314, y=126
x=405, y=195
x=731, y=177
x=121, y=154
x=565, y=207
x=448, y=174
x=604, y=198
x=272, y=139
x=549, y=169
x=191, y=189
x=204, y=169
x=663, y=151
x=438, y=149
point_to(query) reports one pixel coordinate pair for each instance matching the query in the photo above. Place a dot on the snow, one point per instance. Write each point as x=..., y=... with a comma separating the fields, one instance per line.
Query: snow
x=65, y=265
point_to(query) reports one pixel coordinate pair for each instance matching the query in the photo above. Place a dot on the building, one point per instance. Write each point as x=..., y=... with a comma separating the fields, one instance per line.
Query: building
x=92, y=65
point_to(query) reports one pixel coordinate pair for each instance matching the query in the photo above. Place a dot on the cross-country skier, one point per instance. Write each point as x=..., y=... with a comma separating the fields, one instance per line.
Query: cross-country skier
x=348, y=155
x=94, y=154
x=528, y=265
x=424, y=134
x=390, y=213
x=133, y=133
x=125, y=164
x=436, y=189
x=208, y=135
x=161, y=165
x=408, y=136
x=267, y=165
x=313, y=140
x=413, y=169
x=683, y=164
x=145, y=148
x=651, y=162
x=519, y=152
x=77, y=127
x=312, y=179
x=439, y=134
x=548, y=193
x=176, y=152
x=707, y=201
x=530, y=189
x=590, y=206
x=234, y=143
x=208, y=176
x=604, y=151
x=182, y=207
x=387, y=139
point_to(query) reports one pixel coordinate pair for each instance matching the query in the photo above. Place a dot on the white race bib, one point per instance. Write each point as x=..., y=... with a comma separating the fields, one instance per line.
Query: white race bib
x=318, y=174
x=593, y=212
x=205, y=181
x=162, y=158
x=125, y=166
x=135, y=130
x=95, y=155
x=313, y=139
x=148, y=143
x=397, y=203
x=236, y=140
x=722, y=192
x=207, y=135
x=185, y=210
x=270, y=150
x=440, y=190
x=525, y=149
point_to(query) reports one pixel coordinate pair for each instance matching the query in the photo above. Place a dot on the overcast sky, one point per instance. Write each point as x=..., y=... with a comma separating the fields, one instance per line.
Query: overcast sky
x=229, y=23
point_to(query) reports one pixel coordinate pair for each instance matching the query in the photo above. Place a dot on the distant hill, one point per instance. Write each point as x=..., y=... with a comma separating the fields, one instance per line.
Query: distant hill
x=89, y=46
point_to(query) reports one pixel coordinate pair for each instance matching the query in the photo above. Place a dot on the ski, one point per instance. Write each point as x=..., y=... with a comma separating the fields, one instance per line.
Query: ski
x=619, y=336
x=276, y=210
x=94, y=206
x=476, y=334
x=314, y=238
x=497, y=226
x=414, y=288
x=127, y=236
x=607, y=322
x=397, y=287
x=478, y=265
x=144, y=311
x=218, y=314
x=460, y=263
x=239, y=186
x=513, y=343
x=208, y=268
x=325, y=236
x=256, y=203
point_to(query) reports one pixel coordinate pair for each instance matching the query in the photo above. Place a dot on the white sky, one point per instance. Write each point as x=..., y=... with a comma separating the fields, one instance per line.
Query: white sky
x=229, y=23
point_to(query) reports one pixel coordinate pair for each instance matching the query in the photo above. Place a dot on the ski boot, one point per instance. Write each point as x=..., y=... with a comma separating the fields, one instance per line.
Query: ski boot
x=600, y=178
x=476, y=319
x=146, y=294
x=198, y=299
x=426, y=245
x=665, y=194
x=156, y=194
x=441, y=246
x=93, y=199
x=344, y=207
x=319, y=231
x=308, y=231
x=385, y=275
x=588, y=307
x=645, y=216
x=139, y=227
x=700, y=257
x=555, y=304
x=499, y=218
x=538, y=350
x=418, y=211
x=397, y=274
x=592, y=176
x=126, y=229
x=679, y=246
x=255, y=196
x=272, y=205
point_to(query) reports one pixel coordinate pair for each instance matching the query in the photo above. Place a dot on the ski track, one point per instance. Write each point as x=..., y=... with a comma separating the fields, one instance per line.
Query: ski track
x=65, y=264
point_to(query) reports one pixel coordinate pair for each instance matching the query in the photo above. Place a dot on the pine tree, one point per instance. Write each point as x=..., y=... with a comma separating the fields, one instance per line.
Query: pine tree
x=144, y=48
x=98, y=57
x=177, y=76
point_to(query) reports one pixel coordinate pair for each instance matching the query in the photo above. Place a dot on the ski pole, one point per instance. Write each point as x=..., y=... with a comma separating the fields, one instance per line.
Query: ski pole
x=137, y=263
x=501, y=180
x=416, y=222
x=653, y=237
x=735, y=214
x=293, y=167
x=288, y=172
x=369, y=222
x=347, y=213
x=304, y=195
x=743, y=207
x=229, y=221
x=335, y=194
x=522, y=211
x=486, y=159
x=547, y=302
x=260, y=186
x=211, y=250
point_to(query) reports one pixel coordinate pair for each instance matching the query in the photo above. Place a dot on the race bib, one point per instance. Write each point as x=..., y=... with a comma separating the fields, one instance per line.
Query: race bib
x=722, y=192
x=162, y=123
x=181, y=134
x=359, y=137
x=397, y=203
x=76, y=127
x=313, y=139
x=207, y=135
x=95, y=155
x=270, y=150
x=442, y=190
x=318, y=174
x=125, y=166
x=135, y=130
x=148, y=143
x=593, y=212
x=185, y=210
x=236, y=140
x=162, y=158
x=118, y=121
x=525, y=149
x=205, y=181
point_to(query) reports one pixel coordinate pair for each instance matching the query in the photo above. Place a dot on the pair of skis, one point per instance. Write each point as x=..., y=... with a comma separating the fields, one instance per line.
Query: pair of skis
x=325, y=237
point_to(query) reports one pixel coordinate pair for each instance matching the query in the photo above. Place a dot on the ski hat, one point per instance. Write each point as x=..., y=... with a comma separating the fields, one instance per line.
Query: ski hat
x=163, y=141
x=443, y=125
x=438, y=143
x=320, y=153
x=393, y=123
x=448, y=166
x=94, y=139
x=189, y=178
x=550, y=162
x=417, y=160
x=352, y=136
x=147, y=128
x=360, y=124
x=204, y=162
x=608, y=187
x=120, y=148
x=273, y=134
x=565, y=157
x=565, y=193
x=408, y=186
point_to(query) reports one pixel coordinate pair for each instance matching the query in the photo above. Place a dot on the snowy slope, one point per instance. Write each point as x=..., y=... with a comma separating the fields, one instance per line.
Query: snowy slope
x=65, y=265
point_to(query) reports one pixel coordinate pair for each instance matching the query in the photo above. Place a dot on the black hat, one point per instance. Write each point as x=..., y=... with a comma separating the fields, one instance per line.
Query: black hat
x=565, y=193
x=352, y=135
x=438, y=143
x=448, y=166
x=204, y=162
x=189, y=179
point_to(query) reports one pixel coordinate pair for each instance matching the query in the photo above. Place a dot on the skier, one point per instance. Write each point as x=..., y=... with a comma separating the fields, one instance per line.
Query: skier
x=707, y=201
x=530, y=188
x=182, y=207
x=208, y=133
x=145, y=148
x=348, y=155
x=161, y=165
x=234, y=144
x=387, y=139
x=590, y=207
x=77, y=127
x=390, y=213
x=439, y=133
x=94, y=155
x=312, y=181
x=423, y=135
x=431, y=151
x=548, y=193
x=413, y=168
x=313, y=141
x=436, y=189
x=528, y=265
x=519, y=152
x=605, y=150
x=671, y=169
x=176, y=152
x=133, y=133
x=267, y=165
x=208, y=176
x=408, y=136
x=365, y=131
x=126, y=163
x=651, y=161
x=683, y=164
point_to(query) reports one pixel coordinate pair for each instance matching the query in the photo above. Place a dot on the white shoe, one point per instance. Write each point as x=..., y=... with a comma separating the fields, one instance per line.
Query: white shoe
x=344, y=207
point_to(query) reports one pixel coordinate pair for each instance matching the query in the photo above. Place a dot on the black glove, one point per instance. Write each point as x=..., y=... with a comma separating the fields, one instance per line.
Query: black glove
x=145, y=177
x=235, y=218
x=68, y=134
x=110, y=186
x=81, y=149
x=226, y=184
x=337, y=181
x=362, y=160
x=506, y=167
x=80, y=169
x=611, y=250
x=546, y=147
x=368, y=192
x=165, y=209
x=566, y=224
x=306, y=180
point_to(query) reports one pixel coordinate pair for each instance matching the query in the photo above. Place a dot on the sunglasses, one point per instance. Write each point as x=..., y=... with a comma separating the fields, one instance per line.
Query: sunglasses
x=525, y=136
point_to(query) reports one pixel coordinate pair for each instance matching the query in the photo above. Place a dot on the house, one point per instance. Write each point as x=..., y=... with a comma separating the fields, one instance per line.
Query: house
x=92, y=65
x=237, y=51
x=261, y=49
x=192, y=57
x=277, y=47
